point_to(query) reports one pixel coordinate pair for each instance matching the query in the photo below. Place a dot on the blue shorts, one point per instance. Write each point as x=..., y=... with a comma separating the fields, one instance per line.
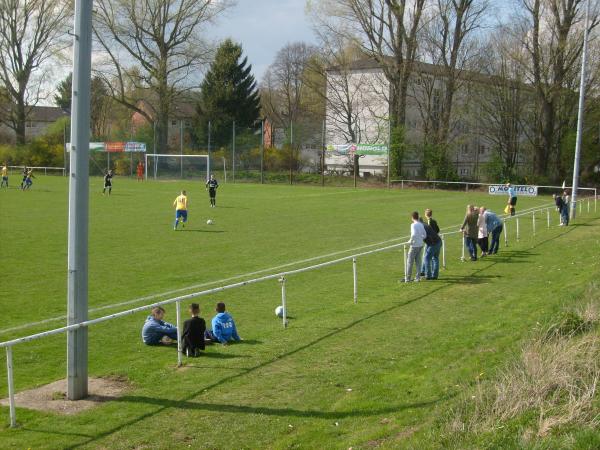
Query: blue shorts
x=181, y=213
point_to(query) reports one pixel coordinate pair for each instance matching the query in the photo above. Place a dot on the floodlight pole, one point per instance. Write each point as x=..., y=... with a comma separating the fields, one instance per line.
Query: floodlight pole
x=208, y=159
x=580, y=114
x=262, y=150
x=77, y=291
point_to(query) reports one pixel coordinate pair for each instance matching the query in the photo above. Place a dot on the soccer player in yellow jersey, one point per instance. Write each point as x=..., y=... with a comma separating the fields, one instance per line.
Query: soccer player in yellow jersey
x=4, y=171
x=180, y=204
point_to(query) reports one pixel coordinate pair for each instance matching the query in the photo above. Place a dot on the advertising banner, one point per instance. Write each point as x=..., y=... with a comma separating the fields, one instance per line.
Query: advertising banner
x=358, y=149
x=523, y=190
x=115, y=147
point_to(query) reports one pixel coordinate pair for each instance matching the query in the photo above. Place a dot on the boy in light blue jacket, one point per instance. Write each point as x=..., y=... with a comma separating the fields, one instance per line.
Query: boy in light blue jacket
x=223, y=327
x=156, y=330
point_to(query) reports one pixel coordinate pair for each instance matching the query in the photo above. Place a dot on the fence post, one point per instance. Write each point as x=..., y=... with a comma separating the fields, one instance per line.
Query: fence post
x=443, y=252
x=402, y=184
x=505, y=234
x=405, y=265
x=283, y=301
x=588, y=202
x=580, y=207
x=533, y=222
x=355, y=280
x=11, y=387
x=595, y=200
x=518, y=236
x=179, y=333
x=462, y=244
x=548, y=216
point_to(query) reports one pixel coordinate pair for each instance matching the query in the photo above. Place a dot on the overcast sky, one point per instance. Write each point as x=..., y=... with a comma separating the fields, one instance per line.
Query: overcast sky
x=263, y=27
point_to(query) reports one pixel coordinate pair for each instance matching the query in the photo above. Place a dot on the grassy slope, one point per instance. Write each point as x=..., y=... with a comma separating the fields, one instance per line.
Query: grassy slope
x=404, y=351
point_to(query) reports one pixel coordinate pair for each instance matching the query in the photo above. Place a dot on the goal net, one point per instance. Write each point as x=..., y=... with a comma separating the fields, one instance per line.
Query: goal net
x=176, y=167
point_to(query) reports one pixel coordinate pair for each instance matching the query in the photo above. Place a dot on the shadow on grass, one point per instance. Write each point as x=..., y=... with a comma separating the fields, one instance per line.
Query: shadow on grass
x=201, y=231
x=279, y=412
x=469, y=279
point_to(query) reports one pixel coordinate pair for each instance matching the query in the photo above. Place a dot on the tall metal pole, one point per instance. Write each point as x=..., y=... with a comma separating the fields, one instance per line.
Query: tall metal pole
x=262, y=150
x=208, y=159
x=233, y=151
x=153, y=145
x=77, y=289
x=389, y=150
x=291, y=148
x=323, y=155
x=580, y=114
x=181, y=149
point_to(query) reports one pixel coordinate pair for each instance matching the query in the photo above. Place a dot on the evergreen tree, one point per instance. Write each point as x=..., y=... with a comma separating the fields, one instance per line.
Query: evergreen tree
x=228, y=93
x=63, y=97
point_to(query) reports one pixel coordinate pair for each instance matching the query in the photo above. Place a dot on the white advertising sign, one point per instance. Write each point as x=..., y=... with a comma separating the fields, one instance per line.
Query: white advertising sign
x=524, y=190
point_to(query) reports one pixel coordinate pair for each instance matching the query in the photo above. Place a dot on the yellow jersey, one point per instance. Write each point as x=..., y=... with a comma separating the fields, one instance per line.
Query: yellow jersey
x=4, y=171
x=180, y=203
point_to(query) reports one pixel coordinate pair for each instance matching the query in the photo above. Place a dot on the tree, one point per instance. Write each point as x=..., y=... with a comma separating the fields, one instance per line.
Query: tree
x=100, y=103
x=228, y=93
x=32, y=32
x=551, y=33
x=154, y=51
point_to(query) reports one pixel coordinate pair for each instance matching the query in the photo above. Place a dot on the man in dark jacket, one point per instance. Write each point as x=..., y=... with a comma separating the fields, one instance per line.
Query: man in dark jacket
x=431, y=262
x=193, y=332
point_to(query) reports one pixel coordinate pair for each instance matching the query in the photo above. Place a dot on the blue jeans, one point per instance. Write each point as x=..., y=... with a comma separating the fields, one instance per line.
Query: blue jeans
x=496, y=232
x=431, y=263
x=564, y=215
x=471, y=246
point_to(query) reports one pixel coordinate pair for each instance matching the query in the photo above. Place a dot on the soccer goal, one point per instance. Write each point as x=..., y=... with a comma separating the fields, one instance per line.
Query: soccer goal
x=177, y=167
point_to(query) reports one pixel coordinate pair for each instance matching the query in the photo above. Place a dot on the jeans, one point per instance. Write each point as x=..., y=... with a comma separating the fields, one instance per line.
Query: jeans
x=413, y=259
x=483, y=244
x=564, y=215
x=431, y=262
x=496, y=232
x=470, y=243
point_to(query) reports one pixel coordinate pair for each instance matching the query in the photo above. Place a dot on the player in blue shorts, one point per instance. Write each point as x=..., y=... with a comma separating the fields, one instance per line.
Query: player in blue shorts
x=180, y=204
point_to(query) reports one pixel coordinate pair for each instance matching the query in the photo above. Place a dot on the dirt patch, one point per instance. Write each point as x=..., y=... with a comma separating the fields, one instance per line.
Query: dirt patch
x=52, y=397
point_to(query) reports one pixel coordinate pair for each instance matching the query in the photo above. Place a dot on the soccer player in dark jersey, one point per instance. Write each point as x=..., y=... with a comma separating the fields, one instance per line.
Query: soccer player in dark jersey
x=211, y=186
x=107, y=182
x=25, y=171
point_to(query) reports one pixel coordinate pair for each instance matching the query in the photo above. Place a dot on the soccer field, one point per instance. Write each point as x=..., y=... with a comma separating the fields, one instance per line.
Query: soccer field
x=342, y=375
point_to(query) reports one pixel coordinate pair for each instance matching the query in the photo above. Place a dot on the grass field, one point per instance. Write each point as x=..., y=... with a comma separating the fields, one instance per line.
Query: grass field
x=379, y=373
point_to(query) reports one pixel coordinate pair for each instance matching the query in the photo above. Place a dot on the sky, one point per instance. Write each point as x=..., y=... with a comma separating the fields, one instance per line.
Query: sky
x=263, y=27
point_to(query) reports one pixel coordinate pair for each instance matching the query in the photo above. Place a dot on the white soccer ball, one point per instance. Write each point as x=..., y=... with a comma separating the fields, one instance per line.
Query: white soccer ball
x=279, y=311
x=209, y=222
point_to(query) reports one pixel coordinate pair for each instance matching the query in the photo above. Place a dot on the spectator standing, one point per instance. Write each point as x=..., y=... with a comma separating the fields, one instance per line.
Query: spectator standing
x=494, y=227
x=417, y=238
x=471, y=231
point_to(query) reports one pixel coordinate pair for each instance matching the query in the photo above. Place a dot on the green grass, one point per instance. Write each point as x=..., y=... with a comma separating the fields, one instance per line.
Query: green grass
x=381, y=372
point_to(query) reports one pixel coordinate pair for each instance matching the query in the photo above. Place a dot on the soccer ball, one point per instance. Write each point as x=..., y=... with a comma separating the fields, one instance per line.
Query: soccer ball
x=209, y=222
x=279, y=311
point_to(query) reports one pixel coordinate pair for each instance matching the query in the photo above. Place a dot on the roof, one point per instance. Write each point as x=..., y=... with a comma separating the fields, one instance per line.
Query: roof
x=46, y=113
x=419, y=67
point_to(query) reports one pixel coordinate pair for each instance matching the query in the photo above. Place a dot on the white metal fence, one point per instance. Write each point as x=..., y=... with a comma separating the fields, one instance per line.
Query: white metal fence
x=53, y=170
x=544, y=210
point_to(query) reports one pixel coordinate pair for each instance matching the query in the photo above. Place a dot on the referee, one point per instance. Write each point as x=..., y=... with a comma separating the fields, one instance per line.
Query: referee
x=211, y=186
x=512, y=198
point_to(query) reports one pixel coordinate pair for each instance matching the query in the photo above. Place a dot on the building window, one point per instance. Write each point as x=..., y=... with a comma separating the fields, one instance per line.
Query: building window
x=173, y=123
x=482, y=149
x=188, y=123
x=464, y=171
x=465, y=149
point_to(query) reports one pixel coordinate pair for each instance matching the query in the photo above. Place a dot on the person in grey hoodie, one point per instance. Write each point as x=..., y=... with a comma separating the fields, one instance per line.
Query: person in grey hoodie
x=156, y=331
x=417, y=239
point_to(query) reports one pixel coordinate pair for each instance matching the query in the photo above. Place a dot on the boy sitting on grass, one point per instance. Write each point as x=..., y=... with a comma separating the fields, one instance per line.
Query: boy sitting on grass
x=156, y=330
x=193, y=332
x=223, y=327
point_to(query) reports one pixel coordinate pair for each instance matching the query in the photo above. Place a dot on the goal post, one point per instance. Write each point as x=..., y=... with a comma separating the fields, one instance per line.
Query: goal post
x=176, y=167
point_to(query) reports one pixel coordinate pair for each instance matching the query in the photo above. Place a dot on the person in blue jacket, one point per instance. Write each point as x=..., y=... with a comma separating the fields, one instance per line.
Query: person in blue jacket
x=494, y=227
x=156, y=331
x=223, y=327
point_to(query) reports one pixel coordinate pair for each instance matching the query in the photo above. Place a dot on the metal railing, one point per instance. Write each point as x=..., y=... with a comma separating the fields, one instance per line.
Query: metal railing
x=282, y=278
x=39, y=168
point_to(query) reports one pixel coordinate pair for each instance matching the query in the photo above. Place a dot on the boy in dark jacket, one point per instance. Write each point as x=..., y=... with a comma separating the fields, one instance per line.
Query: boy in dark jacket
x=193, y=332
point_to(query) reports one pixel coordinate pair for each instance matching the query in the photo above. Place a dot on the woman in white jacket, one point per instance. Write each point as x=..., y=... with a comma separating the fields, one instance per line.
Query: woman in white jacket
x=482, y=234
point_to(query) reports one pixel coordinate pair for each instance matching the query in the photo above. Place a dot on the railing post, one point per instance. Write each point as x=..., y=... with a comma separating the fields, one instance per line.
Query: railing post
x=11, y=387
x=283, y=301
x=355, y=280
x=580, y=207
x=179, y=334
x=402, y=184
x=443, y=252
x=505, y=233
x=533, y=222
x=548, y=216
x=462, y=244
x=588, y=203
x=405, y=265
x=518, y=236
